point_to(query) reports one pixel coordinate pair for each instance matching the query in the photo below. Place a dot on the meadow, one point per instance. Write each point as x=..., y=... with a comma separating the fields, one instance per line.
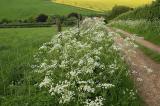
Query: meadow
x=24, y=9
x=17, y=47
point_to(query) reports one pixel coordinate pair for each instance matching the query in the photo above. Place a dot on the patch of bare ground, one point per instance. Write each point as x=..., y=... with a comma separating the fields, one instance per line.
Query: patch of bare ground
x=145, y=72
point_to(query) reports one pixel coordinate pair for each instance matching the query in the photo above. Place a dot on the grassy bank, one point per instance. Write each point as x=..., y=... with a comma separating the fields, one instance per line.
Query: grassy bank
x=149, y=12
x=150, y=30
x=152, y=54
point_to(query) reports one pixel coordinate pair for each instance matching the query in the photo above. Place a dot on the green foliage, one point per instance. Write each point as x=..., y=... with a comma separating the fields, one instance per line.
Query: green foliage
x=41, y=18
x=154, y=55
x=75, y=66
x=149, y=12
x=19, y=84
x=116, y=11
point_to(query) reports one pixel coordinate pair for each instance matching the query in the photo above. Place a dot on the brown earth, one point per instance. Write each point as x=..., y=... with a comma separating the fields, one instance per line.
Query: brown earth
x=145, y=72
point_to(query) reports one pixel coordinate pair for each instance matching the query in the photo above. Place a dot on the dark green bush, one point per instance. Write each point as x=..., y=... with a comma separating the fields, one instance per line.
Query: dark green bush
x=116, y=11
x=5, y=21
x=41, y=18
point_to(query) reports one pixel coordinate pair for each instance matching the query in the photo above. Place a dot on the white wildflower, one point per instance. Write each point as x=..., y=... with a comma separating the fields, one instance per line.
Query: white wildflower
x=87, y=88
x=97, y=102
x=105, y=85
x=45, y=82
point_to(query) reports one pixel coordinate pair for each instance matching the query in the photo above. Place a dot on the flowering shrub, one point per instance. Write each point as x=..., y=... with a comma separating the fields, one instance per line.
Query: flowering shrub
x=82, y=67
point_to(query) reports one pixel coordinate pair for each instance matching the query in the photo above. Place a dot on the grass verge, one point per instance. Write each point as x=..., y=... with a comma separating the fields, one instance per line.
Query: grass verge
x=152, y=54
x=150, y=30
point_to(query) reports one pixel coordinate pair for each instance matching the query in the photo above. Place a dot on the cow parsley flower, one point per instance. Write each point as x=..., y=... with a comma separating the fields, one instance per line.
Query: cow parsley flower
x=45, y=82
x=97, y=102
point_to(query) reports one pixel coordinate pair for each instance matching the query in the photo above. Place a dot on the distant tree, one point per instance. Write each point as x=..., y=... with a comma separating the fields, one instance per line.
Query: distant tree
x=116, y=11
x=4, y=21
x=76, y=15
x=41, y=18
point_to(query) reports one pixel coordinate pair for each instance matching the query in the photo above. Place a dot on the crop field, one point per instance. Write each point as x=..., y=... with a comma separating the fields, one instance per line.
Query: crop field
x=102, y=5
x=23, y=9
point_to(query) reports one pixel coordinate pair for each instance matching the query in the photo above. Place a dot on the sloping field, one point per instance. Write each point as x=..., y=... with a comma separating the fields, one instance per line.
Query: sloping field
x=102, y=5
x=20, y=9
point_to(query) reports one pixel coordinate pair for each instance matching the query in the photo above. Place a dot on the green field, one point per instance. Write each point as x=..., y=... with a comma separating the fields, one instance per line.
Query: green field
x=23, y=9
x=17, y=47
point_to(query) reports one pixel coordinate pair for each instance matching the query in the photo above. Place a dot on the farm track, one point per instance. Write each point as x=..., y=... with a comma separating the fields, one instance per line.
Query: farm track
x=144, y=71
x=140, y=40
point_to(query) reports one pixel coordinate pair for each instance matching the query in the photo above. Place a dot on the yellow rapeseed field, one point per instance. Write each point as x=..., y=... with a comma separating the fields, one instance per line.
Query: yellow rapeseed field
x=103, y=5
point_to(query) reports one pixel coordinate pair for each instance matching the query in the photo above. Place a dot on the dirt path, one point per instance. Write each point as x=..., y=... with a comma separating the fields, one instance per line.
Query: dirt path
x=145, y=72
x=140, y=40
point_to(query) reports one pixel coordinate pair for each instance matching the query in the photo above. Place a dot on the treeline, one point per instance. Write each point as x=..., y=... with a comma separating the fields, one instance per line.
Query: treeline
x=41, y=18
x=44, y=18
x=149, y=12
x=65, y=20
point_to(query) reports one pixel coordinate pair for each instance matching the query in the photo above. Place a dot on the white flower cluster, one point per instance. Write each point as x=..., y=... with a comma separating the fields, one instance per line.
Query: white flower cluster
x=97, y=102
x=130, y=23
x=73, y=64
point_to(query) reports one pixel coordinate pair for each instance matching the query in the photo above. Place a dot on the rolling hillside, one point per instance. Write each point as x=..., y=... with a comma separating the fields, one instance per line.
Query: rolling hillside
x=103, y=5
x=22, y=9
x=145, y=12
